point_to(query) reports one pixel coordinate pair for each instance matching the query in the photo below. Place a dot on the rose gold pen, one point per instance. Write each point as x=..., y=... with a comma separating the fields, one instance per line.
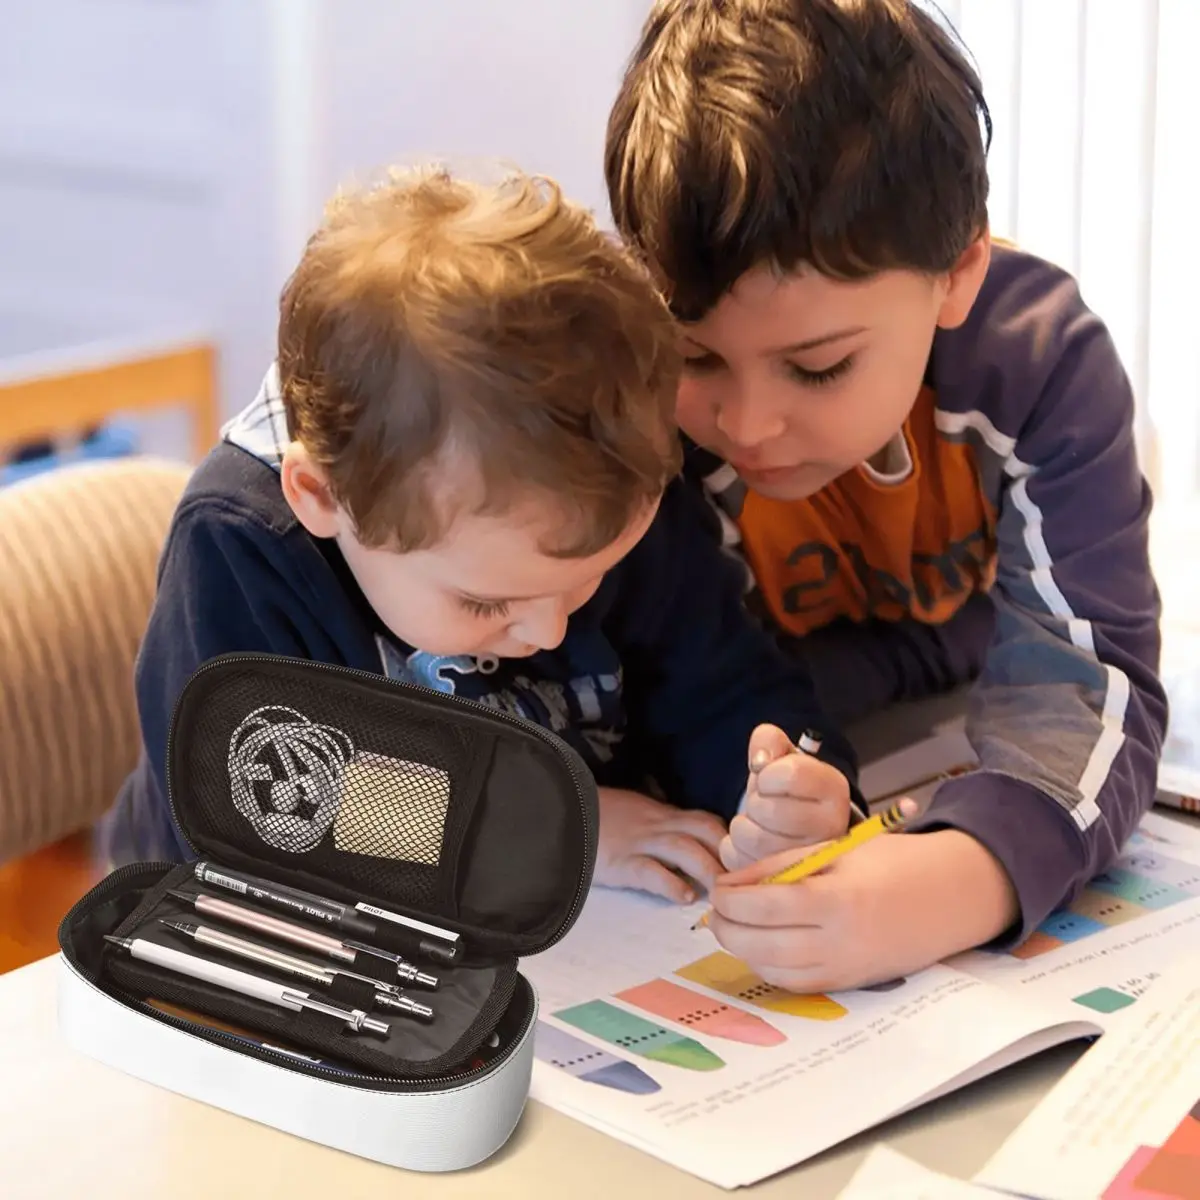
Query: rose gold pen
x=299, y=935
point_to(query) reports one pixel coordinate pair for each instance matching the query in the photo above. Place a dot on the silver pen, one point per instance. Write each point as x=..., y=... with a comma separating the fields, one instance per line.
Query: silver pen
x=218, y=939
x=297, y=935
x=269, y=956
x=244, y=983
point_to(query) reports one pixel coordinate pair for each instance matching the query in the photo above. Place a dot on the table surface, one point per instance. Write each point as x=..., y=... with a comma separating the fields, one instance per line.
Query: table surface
x=72, y=1127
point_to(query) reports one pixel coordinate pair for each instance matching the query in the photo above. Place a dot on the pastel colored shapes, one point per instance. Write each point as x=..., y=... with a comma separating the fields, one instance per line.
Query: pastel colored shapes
x=1106, y=908
x=589, y=1063
x=638, y=1036
x=662, y=998
x=732, y=977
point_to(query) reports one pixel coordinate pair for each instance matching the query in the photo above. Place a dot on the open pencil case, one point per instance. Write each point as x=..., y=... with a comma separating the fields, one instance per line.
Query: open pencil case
x=385, y=797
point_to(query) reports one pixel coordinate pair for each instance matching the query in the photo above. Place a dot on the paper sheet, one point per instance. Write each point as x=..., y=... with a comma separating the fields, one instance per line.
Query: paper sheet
x=653, y=1034
x=1112, y=942
x=888, y=1175
x=1109, y=945
x=1124, y=1123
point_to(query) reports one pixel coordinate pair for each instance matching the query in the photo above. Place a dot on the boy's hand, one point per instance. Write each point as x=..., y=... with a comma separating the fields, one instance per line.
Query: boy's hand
x=649, y=845
x=891, y=907
x=792, y=799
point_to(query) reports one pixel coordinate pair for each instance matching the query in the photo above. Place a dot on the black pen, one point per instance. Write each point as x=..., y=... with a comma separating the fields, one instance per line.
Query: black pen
x=278, y=895
x=429, y=940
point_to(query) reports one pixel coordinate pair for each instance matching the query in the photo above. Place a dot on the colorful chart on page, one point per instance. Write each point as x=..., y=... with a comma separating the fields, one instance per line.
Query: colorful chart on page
x=1144, y=881
x=1106, y=999
x=730, y=976
x=639, y=1036
x=589, y=1063
x=1167, y=1172
x=672, y=1002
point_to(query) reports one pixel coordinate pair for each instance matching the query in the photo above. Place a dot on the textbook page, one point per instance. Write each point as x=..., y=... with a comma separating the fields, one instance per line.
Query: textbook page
x=888, y=1175
x=1114, y=940
x=1111, y=942
x=651, y=1033
x=1124, y=1122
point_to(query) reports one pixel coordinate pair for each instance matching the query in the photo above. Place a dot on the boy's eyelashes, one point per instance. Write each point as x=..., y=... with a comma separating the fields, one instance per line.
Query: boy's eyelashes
x=706, y=363
x=484, y=608
x=825, y=375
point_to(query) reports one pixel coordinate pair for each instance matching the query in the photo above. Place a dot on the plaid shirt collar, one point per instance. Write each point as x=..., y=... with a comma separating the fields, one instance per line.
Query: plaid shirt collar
x=261, y=428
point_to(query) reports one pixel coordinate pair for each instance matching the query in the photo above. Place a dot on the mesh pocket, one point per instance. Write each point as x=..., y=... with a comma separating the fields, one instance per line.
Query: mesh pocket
x=392, y=807
x=339, y=781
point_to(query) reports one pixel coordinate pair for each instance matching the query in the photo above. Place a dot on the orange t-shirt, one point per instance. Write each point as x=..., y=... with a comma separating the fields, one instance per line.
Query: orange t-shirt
x=863, y=548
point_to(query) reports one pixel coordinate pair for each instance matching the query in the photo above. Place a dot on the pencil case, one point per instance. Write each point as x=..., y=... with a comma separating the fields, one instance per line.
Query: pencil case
x=384, y=797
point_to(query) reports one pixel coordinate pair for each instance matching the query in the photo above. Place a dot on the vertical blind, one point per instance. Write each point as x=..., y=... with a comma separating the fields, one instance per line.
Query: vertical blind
x=1095, y=164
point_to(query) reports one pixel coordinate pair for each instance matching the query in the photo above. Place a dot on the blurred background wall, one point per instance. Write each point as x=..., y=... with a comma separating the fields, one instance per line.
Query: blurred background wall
x=161, y=161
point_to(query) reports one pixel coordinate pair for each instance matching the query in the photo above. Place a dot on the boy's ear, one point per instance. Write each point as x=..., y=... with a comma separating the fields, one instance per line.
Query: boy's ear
x=964, y=281
x=306, y=489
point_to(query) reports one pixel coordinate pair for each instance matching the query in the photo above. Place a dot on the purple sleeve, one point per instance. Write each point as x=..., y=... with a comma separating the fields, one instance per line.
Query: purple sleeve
x=1068, y=715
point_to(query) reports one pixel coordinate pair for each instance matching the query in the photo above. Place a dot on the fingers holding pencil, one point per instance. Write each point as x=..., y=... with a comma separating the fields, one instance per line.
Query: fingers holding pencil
x=792, y=866
x=885, y=909
x=792, y=799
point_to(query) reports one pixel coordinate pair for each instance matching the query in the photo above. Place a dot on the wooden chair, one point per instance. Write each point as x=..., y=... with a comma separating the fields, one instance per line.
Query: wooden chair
x=79, y=548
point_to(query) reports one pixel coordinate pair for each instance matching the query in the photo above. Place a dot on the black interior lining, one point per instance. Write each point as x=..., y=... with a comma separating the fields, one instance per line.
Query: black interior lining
x=467, y=1005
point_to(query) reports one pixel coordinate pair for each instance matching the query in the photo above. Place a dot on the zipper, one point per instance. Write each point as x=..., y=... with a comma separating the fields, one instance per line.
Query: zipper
x=116, y=882
x=550, y=739
x=385, y=1083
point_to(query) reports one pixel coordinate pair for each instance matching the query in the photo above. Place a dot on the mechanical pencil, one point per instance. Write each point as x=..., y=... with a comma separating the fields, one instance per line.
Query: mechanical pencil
x=309, y=939
x=244, y=983
x=386, y=995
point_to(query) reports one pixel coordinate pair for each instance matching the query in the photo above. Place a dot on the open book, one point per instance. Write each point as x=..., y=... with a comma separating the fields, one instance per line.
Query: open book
x=1124, y=1122
x=651, y=1033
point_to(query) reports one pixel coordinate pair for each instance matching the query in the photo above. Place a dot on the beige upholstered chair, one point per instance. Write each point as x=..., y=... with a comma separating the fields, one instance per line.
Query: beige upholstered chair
x=79, y=550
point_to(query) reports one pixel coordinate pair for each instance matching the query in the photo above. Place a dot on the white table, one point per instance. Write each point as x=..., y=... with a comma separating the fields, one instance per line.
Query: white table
x=71, y=1128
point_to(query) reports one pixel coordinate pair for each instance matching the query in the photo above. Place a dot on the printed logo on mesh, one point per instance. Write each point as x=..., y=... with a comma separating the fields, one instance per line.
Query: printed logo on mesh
x=285, y=773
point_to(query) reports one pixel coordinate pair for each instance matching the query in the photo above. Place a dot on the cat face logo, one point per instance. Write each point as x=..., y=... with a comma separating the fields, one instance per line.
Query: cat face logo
x=285, y=775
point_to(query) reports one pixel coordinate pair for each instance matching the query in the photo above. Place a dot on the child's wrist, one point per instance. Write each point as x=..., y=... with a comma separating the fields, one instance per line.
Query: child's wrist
x=981, y=901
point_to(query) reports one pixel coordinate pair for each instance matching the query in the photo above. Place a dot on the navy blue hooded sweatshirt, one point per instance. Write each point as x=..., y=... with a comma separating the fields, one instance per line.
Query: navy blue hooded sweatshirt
x=662, y=674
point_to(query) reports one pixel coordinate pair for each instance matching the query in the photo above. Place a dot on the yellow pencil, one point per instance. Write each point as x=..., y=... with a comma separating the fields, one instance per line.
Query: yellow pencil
x=885, y=822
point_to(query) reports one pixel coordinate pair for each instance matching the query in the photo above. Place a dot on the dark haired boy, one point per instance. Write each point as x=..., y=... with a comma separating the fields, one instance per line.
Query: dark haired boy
x=922, y=441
